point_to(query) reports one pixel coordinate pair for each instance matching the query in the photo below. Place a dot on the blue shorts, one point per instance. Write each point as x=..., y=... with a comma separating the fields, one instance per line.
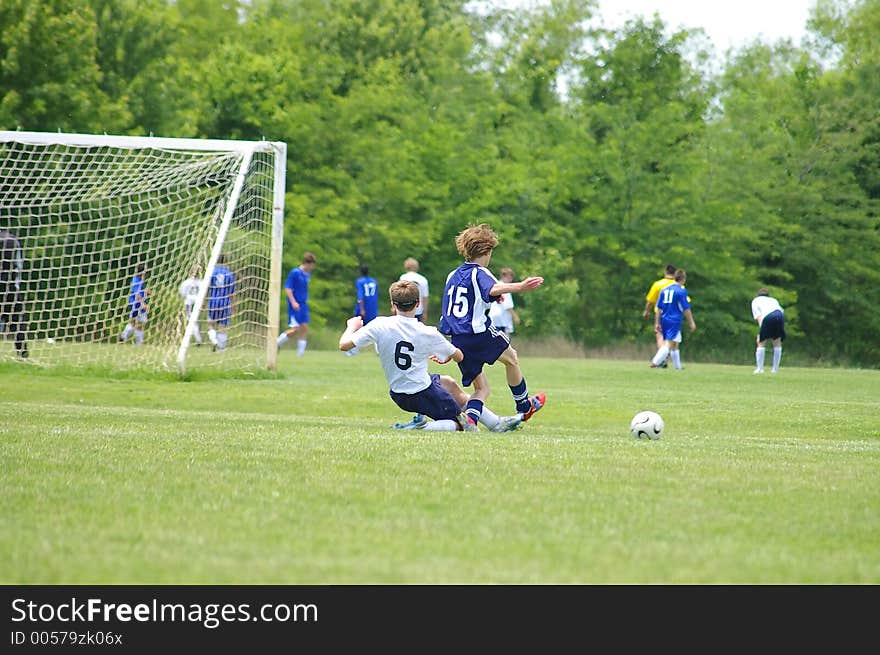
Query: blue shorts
x=297, y=318
x=479, y=349
x=138, y=312
x=367, y=318
x=671, y=330
x=219, y=313
x=434, y=402
x=772, y=327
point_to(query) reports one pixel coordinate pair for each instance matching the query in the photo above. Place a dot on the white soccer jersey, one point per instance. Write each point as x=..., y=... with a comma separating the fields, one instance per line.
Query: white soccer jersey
x=404, y=345
x=422, y=283
x=763, y=305
x=499, y=312
x=189, y=290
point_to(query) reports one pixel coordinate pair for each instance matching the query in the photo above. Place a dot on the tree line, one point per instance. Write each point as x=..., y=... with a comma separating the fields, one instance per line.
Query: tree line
x=597, y=155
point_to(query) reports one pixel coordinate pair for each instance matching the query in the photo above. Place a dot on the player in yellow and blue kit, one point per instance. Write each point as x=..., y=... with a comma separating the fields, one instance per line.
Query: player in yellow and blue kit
x=673, y=305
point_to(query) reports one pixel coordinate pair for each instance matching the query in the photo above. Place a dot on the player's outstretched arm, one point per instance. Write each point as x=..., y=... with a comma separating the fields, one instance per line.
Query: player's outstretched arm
x=529, y=284
x=352, y=325
x=457, y=356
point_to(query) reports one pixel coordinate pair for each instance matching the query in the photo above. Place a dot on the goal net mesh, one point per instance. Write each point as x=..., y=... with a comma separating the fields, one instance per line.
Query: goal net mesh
x=90, y=217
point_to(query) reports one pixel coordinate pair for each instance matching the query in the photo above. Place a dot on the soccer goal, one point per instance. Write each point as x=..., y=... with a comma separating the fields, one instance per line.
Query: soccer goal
x=111, y=227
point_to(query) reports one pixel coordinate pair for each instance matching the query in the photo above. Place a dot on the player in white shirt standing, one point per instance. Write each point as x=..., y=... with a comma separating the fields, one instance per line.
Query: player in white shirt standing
x=189, y=290
x=405, y=345
x=770, y=316
x=501, y=312
x=411, y=266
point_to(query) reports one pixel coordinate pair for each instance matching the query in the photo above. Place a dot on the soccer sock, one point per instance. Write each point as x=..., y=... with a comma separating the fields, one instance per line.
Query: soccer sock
x=221, y=340
x=197, y=333
x=759, y=358
x=282, y=339
x=660, y=357
x=138, y=337
x=474, y=409
x=443, y=425
x=212, y=335
x=300, y=347
x=126, y=333
x=489, y=418
x=676, y=358
x=520, y=394
x=777, y=357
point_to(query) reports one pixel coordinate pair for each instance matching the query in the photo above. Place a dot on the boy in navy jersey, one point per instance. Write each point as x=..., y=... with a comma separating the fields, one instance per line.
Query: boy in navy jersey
x=470, y=290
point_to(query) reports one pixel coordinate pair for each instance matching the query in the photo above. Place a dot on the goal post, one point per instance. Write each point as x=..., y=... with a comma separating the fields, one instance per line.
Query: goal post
x=111, y=228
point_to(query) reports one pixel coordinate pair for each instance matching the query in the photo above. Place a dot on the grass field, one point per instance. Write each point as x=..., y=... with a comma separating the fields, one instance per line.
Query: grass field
x=300, y=480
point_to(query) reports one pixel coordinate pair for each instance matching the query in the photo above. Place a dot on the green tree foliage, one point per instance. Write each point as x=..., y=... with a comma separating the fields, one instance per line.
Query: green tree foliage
x=598, y=156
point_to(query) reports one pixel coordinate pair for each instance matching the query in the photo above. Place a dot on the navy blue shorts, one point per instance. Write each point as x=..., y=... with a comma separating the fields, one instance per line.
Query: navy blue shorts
x=434, y=402
x=479, y=349
x=772, y=327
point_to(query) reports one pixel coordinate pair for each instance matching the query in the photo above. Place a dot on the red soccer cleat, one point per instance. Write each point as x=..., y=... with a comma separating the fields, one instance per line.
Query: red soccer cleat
x=537, y=401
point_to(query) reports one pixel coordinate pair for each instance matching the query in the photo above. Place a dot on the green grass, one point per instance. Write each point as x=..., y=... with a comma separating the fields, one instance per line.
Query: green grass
x=300, y=480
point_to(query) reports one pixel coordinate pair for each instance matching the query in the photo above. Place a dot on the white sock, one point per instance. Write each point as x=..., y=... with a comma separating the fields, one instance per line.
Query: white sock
x=138, y=337
x=489, y=418
x=445, y=425
x=777, y=357
x=126, y=333
x=197, y=333
x=759, y=358
x=212, y=336
x=221, y=340
x=660, y=357
x=282, y=339
x=676, y=358
x=300, y=347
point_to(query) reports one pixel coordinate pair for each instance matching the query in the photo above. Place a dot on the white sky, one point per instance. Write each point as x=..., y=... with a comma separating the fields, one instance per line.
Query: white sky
x=728, y=23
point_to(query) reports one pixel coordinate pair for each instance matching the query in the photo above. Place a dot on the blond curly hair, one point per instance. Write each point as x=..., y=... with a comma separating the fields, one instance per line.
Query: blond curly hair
x=476, y=241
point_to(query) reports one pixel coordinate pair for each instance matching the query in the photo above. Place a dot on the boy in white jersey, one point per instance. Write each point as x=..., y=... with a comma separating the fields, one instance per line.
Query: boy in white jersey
x=189, y=291
x=770, y=316
x=405, y=345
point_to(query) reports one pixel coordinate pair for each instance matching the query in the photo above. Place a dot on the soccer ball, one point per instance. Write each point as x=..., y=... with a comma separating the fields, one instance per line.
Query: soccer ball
x=646, y=425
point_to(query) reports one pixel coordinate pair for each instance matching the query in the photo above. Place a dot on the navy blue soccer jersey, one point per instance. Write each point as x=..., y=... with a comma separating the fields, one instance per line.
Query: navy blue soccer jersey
x=673, y=301
x=466, y=300
x=367, y=291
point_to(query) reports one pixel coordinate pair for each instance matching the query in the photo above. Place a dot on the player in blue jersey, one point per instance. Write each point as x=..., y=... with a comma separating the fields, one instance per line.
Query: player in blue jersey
x=367, y=304
x=137, y=307
x=673, y=305
x=297, y=290
x=220, y=294
x=470, y=290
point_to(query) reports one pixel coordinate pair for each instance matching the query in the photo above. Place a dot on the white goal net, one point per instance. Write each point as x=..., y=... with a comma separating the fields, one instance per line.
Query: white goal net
x=110, y=228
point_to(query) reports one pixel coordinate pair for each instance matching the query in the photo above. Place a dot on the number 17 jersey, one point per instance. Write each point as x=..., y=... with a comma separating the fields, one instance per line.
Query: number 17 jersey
x=404, y=345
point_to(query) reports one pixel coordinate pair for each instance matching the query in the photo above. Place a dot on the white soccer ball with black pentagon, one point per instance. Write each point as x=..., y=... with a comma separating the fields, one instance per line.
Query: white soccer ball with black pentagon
x=646, y=425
